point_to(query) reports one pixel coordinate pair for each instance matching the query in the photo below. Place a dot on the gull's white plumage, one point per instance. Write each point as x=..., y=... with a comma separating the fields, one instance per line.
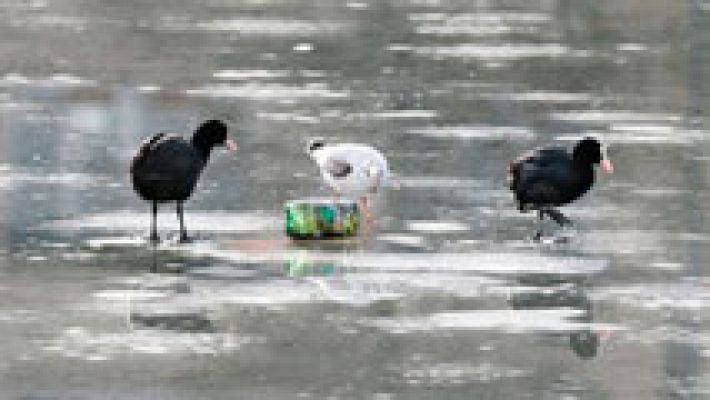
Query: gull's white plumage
x=351, y=169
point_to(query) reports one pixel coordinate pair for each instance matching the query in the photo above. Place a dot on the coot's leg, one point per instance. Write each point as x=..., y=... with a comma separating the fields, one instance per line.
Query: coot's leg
x=540, y=217
x=183, y=232
x=558, y=217
x=154, y=224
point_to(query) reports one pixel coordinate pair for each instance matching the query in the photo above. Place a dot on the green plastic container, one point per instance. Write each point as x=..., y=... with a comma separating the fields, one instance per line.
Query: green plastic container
x=321, y=218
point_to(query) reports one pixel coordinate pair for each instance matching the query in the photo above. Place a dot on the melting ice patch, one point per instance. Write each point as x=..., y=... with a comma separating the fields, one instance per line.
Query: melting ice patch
x=632, y=127
x=56, y=80
x=483, y=17
x=654, y=134
x=478, y=132
x=502, y=52
x=396, y=114
x=478, y=24
x=509, y=321
x=248, y=74
x=631, y=47
x=10, y=177
x=459, y=373
x=593, y=116
x=288, y=117
x=255, y=26
x=539, y=96
x=450, y=29
x=80, y=343
x=660, y=192
x=491, y=263
x=693, y=296
x=19, y=315
x=270, y=91
x=403, y=240
x=265, y=74
x=436, y=226
x=137, y=221
x=432, y=182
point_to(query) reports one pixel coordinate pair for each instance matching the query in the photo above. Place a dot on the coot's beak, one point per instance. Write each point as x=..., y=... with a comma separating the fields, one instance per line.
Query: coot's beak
x=231, y=145
x=606, y=165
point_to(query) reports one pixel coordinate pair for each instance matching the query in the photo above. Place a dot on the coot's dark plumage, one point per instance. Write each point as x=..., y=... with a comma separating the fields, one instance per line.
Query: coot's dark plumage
x=549, y=177
x=167, y=167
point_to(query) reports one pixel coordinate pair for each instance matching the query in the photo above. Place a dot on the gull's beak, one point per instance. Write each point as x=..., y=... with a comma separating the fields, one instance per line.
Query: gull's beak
x=231, y=145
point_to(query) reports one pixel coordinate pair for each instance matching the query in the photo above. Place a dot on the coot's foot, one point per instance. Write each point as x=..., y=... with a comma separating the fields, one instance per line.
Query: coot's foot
x=561, y=240
x=558, y=217
x=186, y=239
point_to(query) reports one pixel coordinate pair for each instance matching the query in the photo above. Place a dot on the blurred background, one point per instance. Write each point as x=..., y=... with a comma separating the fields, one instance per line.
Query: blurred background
x=448, y=297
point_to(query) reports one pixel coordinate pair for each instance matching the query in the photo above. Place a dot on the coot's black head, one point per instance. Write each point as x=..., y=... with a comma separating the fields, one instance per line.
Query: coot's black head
x=590, y=151
x=212, y=133
x=314, y=145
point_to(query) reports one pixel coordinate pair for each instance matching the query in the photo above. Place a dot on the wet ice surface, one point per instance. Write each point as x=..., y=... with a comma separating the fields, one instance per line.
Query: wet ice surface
x=447, y=297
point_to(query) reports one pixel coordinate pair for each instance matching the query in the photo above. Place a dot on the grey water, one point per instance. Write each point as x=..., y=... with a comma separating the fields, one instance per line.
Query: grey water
x=447, y=297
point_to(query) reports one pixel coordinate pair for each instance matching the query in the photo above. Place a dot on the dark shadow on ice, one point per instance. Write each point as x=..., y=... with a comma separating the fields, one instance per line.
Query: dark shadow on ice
x=551, y=293
x=173, y=321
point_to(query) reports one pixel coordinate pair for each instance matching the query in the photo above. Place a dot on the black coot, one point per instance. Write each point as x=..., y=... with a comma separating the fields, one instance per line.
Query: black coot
x=549, y=177
x=167, y=167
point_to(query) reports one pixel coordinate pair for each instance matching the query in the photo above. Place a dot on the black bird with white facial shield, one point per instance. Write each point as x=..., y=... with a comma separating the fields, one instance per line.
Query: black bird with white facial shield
x=166, y=167
x=548, y=177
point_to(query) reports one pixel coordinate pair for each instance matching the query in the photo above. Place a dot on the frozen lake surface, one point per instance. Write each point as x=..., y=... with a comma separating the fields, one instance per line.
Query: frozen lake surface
x=448, y=298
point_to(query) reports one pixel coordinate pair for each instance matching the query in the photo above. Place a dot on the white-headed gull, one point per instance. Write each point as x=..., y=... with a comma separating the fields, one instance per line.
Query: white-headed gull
x=350, y=169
